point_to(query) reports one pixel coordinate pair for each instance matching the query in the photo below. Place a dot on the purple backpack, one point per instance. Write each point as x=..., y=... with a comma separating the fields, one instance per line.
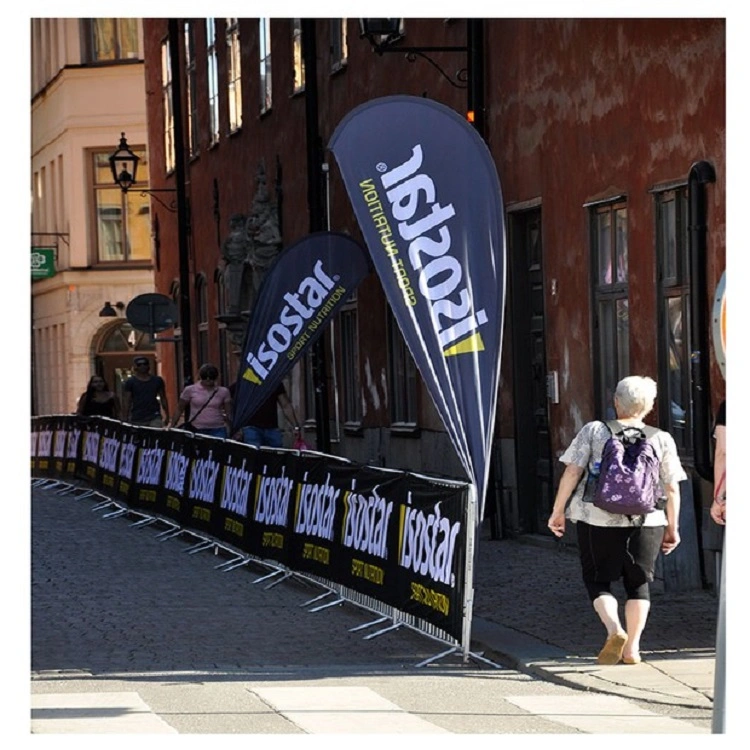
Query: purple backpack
x=628, y=481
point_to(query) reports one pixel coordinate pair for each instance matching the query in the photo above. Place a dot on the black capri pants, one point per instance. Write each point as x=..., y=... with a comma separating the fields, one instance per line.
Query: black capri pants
x=609, y=553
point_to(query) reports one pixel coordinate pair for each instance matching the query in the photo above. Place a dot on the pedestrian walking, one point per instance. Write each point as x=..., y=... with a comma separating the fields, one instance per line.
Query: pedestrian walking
x=98, y=400
x=264, y=430
x=614, y=545
x=144, y=396
x=718, y=509
x=208, y=405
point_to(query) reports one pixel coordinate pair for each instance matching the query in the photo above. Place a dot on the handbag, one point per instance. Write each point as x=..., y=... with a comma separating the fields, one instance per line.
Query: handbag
x=189, y=425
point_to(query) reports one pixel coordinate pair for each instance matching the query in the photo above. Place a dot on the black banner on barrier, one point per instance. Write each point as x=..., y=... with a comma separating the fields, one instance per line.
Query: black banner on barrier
x=60, y=426
x=125, y=473
x=314, y=530
x=87, y=468
x=431, y=554
x=392, y=536
x=72, y=449
x=110, y=439
x=200, y=510
x=273, y=491
x=148, y=490
x=34, y=447
x=236, y=494
x=44, y=440
x=177, y=473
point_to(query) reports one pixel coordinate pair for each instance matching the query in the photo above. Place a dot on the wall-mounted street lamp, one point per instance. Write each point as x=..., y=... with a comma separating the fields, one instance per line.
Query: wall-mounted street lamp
x=108, y=311
x=383, y=34
x=124, y=165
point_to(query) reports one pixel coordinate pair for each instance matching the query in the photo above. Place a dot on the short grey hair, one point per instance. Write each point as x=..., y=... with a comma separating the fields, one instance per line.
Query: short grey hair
x=636, y=395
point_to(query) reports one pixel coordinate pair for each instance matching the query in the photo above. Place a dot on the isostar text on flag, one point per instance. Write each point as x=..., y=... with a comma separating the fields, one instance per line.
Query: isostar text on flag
x=298, y=298
x=427, y=197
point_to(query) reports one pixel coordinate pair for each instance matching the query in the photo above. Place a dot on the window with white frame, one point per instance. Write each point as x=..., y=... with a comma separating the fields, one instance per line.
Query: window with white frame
x=123, y=227
x=402, y=378
x=609, y=237
x=191, y=89
x=234, y=74
x=166, y=98
x=110, y=39
x=264, y=38
x=213, y=80
x=673, y=290
x=298, y=62
x=339, y=44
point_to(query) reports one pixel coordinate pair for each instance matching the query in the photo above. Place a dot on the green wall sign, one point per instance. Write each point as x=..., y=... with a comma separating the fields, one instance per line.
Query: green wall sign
x=42, y=262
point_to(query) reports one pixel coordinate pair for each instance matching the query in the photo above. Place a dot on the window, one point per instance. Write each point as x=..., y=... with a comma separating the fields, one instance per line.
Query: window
x=166, y=98
x=201, y=298
x=297, y=59
x=191, y=89
x=339, y=46
x=402, y=378
x=349, y=363
x=609, y=232
x=123, y=227
x=674, y=316
x=213, y=80
x=110, y=39
x=266, y=98
x=234, y=81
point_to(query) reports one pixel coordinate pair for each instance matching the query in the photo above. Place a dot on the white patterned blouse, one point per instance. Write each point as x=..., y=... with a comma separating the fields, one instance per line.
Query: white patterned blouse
x=586, y=450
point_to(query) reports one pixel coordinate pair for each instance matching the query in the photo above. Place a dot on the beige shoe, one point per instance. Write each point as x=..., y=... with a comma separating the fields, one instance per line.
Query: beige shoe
x=611, y=653
x=632, y=659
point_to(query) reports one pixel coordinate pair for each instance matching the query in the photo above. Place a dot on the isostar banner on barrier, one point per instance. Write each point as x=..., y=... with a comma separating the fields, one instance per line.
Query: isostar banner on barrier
x=297, y=299
x=393, y=536
x=427, y=197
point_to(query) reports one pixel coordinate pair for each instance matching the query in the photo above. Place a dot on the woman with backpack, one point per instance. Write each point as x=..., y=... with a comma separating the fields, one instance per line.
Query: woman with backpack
x=623, y=460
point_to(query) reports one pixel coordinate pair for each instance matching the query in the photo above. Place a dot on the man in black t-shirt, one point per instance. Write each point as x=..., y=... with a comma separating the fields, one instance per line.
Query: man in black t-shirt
x=144, y=396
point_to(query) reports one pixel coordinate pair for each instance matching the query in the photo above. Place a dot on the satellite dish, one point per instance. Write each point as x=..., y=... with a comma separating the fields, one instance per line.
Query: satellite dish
x=151, y=313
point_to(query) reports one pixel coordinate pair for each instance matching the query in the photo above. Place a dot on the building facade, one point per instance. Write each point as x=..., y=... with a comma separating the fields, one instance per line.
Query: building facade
x=609, y=140
x=90, y=243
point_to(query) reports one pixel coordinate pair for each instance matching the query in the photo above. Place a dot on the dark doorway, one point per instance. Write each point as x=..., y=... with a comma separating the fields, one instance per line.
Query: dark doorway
x=533, y=455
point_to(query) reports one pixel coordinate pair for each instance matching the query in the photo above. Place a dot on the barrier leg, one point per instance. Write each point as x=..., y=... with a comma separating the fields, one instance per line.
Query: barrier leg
x=286, y=575
x=317, y=598
x=367, y=625
x=325, y=606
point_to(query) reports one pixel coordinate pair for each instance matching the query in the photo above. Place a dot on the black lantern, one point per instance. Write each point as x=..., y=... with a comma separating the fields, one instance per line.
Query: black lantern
x=381, y=32
x=110, y=312
x=124, y=164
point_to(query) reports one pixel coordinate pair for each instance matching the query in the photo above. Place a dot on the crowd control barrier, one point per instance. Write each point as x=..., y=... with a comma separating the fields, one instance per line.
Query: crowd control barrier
x=396, y=543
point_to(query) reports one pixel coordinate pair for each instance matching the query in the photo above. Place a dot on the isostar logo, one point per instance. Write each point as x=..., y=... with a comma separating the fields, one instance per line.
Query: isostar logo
x=306, y=308
x=441, y=277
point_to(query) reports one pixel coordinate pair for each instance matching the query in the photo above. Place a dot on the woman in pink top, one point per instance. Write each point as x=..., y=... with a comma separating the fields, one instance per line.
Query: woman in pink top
x=210, y=405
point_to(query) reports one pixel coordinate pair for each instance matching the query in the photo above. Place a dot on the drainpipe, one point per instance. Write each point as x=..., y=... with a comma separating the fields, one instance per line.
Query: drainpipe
x=315, y=207
x=700, y=173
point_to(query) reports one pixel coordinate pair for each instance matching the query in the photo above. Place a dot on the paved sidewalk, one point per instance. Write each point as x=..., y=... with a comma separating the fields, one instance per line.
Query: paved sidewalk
x=531, y=612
